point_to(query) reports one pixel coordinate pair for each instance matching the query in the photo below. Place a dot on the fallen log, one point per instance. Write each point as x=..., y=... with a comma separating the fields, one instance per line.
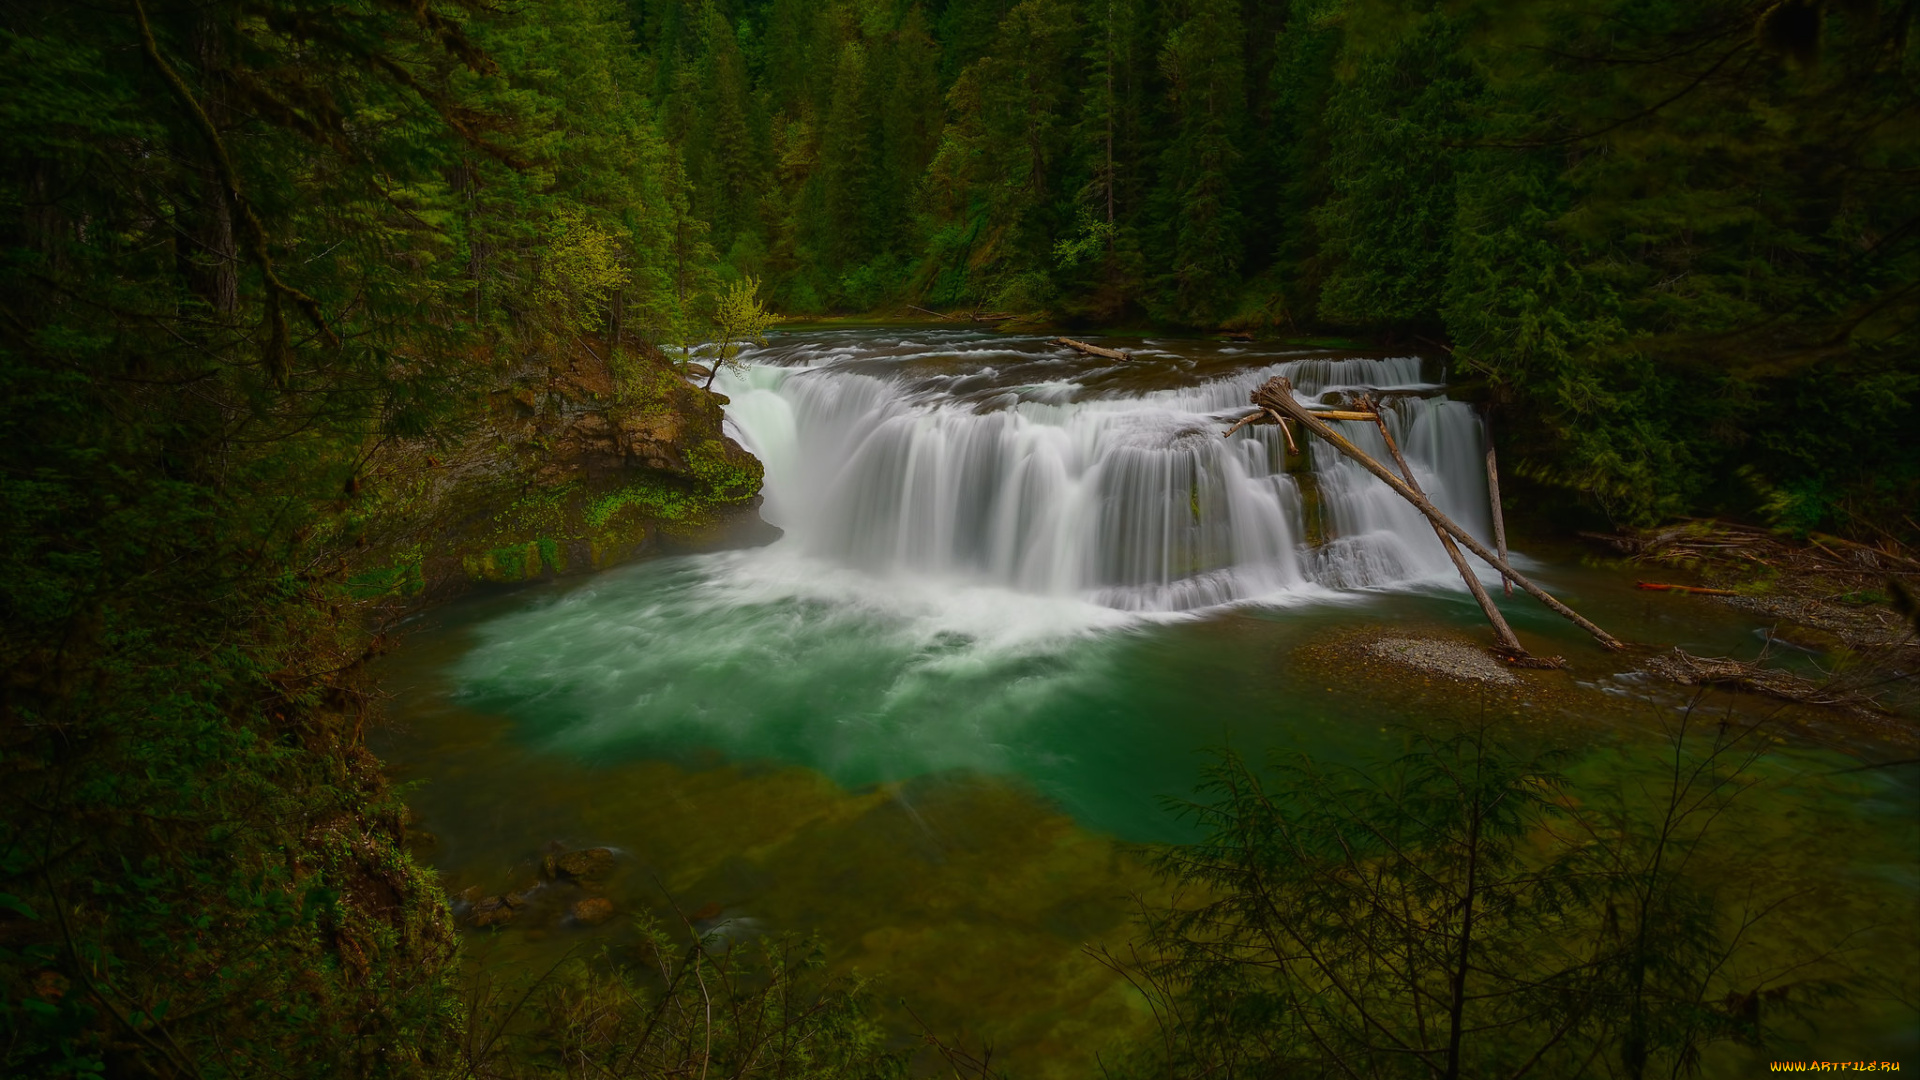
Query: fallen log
x=1277, y=395
x=1493, y=499
x=1092, y=350
x=971, y=316
x=1820, y=538
x=1324, y=414
x=1504, y=641
x=1655, y=586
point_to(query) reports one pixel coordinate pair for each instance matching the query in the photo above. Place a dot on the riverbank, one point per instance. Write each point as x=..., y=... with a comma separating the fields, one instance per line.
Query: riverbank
x=571, y=463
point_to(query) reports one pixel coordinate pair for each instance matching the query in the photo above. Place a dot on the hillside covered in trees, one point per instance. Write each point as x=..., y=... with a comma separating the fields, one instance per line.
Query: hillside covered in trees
x=273, y=273
x=1679, y=238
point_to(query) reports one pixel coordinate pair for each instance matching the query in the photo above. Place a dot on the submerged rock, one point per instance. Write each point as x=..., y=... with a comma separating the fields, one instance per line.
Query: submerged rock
x=492, y=911
x=587, y=864
x=592, y=911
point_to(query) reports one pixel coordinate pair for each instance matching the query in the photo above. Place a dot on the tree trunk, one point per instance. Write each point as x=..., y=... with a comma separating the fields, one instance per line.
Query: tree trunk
x=1493, y=498
x=1092, y=350
x=1504, y=641
x=1277, y=395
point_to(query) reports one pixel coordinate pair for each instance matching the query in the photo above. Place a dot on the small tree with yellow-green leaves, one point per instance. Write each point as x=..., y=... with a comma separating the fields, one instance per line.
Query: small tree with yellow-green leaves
x=739, y=318
x=584, y=267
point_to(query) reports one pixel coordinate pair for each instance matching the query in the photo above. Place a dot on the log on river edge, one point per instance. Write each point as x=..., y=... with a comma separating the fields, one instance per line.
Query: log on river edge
x=1092, y=350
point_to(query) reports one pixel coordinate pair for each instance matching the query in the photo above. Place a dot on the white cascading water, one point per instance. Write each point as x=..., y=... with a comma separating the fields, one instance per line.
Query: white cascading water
x=1011, y=464
x=972, y=523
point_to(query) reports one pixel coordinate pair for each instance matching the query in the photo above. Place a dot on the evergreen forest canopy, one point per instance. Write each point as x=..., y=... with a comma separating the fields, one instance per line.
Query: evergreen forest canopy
x=246, y=243
x=1678, y=239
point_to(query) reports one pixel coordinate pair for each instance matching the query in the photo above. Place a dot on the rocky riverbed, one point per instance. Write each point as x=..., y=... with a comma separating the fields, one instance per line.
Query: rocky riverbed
x=1440, y=656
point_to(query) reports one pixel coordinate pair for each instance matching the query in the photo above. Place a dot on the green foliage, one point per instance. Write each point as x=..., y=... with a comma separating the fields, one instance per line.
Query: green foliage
x=725, y=477
x=1670, y=239
x=581, y=271
x=403, y=579
x=656, y=499
x=1198, y=201
x=243, y=246
x=739, y=319
x=515, y=562
x=1092, y=239
x=1387, y=223
x=1461, y=912
x=693, y=1004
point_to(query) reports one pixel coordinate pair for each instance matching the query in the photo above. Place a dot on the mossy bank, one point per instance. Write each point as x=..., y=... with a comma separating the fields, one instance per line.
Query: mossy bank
x=576, y=462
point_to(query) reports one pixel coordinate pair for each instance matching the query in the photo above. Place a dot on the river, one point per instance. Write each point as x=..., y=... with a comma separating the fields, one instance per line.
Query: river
x=1020, y=595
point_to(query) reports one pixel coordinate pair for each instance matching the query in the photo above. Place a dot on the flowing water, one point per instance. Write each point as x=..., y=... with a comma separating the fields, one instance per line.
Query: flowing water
x=1019, y=593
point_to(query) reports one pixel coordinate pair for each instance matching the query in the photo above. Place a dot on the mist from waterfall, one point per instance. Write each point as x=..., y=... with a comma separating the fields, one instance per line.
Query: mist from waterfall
x=1008, y=463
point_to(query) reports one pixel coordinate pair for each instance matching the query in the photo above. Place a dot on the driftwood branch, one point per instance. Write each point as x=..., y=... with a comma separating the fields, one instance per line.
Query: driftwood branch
x=1689, y=670
x=1277, y=395
x=1243, y=422
x=1092, y=350
x=1504, y=641
x=1658, y=587
x=971, y=316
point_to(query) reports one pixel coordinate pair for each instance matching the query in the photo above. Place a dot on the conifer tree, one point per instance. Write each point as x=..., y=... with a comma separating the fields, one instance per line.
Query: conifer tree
x=1201, y=61
x=730, y=167
x=911, y=119
x=1108, y=156
x=849, y=173
x=1387, y=223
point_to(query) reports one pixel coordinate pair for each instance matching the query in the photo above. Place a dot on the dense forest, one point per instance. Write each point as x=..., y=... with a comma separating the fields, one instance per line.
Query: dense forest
x=1679, y=239
x=246, y=246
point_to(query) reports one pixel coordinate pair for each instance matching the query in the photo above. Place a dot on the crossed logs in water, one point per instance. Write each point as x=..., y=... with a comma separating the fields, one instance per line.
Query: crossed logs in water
x=1277, y=405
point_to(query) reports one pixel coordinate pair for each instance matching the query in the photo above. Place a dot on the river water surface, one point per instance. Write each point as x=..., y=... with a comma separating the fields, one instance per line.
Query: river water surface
x=1020, y=595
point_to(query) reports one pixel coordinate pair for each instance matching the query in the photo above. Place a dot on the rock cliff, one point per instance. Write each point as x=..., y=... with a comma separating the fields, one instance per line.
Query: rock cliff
x=569, y=465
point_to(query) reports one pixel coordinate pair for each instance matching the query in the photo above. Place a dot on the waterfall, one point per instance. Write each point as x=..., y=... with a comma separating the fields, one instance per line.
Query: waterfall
x=960, y=456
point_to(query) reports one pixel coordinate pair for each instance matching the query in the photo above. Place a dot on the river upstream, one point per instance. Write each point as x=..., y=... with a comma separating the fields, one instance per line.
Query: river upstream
x=1020, y=595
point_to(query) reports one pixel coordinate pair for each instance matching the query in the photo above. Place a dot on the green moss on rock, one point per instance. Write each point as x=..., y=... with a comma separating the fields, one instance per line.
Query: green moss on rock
x=514, y=562
x=728, y=475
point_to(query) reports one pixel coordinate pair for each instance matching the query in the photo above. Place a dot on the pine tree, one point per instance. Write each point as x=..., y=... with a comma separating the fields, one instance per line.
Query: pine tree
x=849, y=174
x=1105, y=245
x=911, y=120
x=731, y=168
x=1387, y=224
x=1202, y=63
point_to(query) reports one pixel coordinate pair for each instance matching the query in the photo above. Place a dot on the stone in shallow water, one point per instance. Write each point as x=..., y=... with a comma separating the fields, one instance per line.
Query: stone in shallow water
x=592, y=911
x=589, y=864
x=492, y=911
x=1454, y=659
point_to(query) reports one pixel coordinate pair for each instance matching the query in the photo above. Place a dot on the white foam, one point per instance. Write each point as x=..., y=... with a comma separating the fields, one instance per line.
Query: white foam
x=1128, y=501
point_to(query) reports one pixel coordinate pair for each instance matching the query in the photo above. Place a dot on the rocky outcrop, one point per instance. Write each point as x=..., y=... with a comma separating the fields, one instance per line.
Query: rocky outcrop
x=569, y=465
